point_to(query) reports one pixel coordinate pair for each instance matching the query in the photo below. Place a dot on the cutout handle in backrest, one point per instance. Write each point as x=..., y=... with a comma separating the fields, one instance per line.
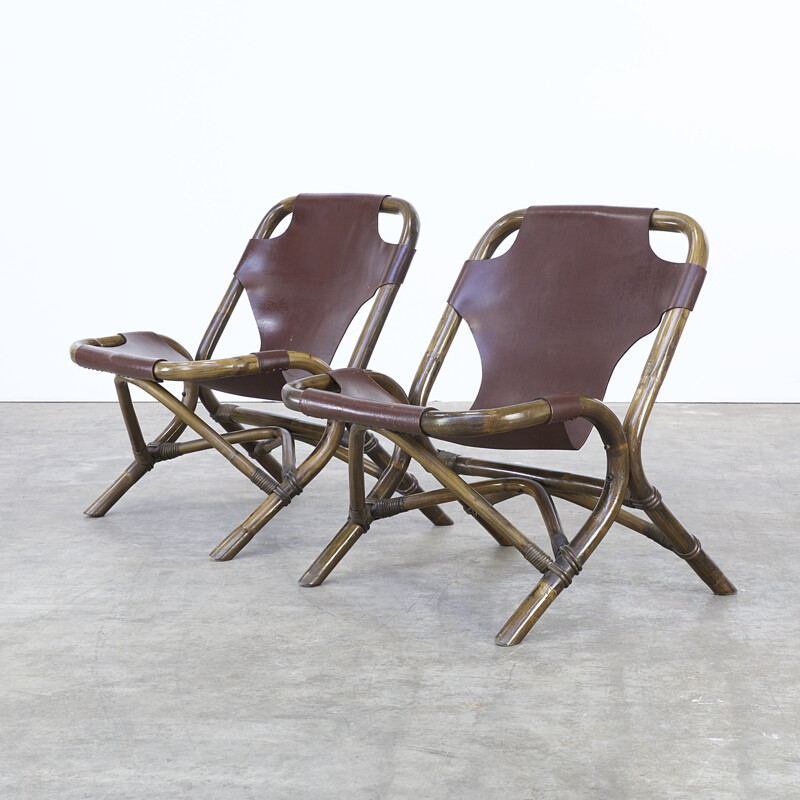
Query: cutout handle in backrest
x=555, y=313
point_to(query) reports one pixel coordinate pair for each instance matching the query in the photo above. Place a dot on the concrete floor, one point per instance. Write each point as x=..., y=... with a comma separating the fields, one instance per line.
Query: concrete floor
x=132, y=666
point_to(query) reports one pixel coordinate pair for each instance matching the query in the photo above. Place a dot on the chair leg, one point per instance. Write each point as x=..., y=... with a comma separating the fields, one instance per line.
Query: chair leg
x=552, y=584
x=572, y=557
x=292, y=484
x=351, y=531
x=648, y=499
x=529, y=611
x=240, y=536
x=143, y=461
x=686, y=545
x=333, y=553
x=133, y=473
x=359, y=518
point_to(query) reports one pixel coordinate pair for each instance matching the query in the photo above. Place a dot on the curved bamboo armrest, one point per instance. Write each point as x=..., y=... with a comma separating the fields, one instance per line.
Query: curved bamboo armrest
x=250, y=364
x=482, y=422
x=363, y=400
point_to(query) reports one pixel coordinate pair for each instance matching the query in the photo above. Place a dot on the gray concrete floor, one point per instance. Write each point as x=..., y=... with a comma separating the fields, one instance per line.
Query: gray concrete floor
x=133, y=666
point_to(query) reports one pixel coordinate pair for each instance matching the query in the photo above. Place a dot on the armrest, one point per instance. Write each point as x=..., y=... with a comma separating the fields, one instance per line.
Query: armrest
x=395, y=416
x=250, y=364
x=131, y=355
x=146, y=355
x=482, y=422
x=360, y=399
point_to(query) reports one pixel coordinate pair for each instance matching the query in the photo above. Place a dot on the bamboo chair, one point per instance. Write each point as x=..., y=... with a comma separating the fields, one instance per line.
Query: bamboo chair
x=304, y=287
x=551, y=317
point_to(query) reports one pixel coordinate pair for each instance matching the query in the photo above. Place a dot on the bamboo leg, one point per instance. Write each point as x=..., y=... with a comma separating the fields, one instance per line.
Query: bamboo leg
x=143, y=462
x=572, y=557
x=529, y=612
x=688, y=547
x=647, y=498
x=333, y=553
x=242, y=534
x=357, y=523
x=645, y=494
x=292, y=485
x=132, y=474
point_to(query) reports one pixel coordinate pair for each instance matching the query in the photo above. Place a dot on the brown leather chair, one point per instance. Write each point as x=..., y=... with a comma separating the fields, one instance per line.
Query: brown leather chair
x=304, y=286
x=551, y=318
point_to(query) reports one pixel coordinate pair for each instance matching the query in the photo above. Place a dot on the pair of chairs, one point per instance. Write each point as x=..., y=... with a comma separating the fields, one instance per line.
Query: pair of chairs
x=551, y=317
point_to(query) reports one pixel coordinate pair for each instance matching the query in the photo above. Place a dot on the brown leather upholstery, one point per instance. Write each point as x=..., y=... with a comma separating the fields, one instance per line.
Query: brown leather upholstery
x=362, y=400
x=304, y=286
x=556, y=312
x=141, y=351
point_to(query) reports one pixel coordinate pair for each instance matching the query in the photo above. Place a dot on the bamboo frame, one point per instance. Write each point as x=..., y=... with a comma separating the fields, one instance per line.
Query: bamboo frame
x=624, y=484
x=256, y=431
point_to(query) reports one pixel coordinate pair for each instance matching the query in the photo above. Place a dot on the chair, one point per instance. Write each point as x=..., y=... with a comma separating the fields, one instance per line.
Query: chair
x=551, y=317
x=304, y=287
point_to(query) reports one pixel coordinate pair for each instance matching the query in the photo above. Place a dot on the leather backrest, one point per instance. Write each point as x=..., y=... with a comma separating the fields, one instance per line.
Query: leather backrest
x=555, y=313
x=306, y=284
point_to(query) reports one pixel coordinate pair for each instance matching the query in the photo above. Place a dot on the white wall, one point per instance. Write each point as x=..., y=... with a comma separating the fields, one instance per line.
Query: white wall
x=142, y=142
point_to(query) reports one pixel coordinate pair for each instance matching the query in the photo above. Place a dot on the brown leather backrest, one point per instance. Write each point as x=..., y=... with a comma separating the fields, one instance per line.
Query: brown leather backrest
x=306, y=284
x=555, y=313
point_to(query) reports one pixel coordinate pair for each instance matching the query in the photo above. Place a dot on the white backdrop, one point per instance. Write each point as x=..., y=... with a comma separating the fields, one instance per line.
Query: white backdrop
x=142, y=142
